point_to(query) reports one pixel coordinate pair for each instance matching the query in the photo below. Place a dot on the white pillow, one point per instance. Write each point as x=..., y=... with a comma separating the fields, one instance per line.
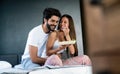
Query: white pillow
x=5, y=64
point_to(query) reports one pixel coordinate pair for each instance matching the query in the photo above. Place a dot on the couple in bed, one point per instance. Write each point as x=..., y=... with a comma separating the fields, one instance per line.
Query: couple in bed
x=42, y=47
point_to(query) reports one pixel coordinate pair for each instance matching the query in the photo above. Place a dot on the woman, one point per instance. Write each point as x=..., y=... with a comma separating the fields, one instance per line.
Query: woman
x=65, y=32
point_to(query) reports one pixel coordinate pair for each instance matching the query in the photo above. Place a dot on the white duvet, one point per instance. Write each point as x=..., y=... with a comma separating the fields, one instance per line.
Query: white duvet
x=5, y=64
x=6, y=69
x=66, y=70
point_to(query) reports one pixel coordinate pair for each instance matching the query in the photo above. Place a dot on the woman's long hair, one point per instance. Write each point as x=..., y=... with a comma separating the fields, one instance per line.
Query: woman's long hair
x=72, y=31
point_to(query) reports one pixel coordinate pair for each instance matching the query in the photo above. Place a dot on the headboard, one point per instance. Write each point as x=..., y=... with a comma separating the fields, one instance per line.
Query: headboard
x=13, y=59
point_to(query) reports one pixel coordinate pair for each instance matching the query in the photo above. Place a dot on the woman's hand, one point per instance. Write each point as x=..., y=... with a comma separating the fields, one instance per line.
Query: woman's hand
x=66, y=31
x=62, y=47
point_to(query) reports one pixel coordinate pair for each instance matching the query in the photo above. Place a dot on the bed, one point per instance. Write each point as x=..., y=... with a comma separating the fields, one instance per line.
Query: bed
x=6, y=67
x=79, y=69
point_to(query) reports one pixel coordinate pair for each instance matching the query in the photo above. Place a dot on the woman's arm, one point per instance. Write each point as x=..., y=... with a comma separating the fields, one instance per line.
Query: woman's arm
x=70, y=47
x=50, y=43
x=68, y=38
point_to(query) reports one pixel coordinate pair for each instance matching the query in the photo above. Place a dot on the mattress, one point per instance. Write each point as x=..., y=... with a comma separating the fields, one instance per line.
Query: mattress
x=79, y=69
x=64, y=70
x=13, y=71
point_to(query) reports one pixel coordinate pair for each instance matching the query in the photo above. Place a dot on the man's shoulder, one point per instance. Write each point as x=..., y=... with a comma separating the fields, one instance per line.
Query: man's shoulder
x=36, y=28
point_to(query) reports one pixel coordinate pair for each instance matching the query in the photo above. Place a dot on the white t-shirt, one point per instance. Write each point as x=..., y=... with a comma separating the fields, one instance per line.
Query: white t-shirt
x=37, y=37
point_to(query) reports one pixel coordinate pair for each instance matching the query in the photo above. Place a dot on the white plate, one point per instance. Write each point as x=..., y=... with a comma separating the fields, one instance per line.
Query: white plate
x=67, y=42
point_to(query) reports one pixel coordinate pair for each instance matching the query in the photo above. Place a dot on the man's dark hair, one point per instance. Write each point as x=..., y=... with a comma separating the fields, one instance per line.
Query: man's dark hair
x=48, y=12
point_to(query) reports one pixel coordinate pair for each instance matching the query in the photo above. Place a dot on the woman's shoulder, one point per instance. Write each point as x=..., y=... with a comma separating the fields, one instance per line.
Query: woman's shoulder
x=54, y=33
x=61, y=33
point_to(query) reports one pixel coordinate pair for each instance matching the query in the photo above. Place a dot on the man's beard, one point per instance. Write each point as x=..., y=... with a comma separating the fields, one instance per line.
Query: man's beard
x=49, y=28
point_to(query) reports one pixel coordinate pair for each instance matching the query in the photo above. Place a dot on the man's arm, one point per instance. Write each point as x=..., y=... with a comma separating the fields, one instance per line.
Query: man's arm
x=33, y=55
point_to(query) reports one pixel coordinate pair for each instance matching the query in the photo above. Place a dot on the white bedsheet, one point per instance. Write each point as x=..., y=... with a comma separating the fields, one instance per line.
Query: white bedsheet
x=4, y=65
x=50, y=70
x=66, y=70
x=13, y=71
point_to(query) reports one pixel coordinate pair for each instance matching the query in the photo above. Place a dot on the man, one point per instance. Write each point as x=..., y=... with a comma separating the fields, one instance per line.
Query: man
x=37, y=37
